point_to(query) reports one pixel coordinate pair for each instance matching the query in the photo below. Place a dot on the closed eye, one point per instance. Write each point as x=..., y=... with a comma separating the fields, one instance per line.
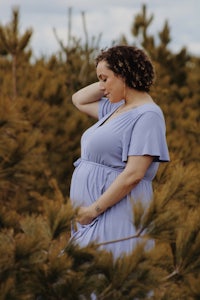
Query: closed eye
x=102, y=78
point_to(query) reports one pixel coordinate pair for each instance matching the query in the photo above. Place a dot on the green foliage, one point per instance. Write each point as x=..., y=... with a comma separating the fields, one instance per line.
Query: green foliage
x=39, y=140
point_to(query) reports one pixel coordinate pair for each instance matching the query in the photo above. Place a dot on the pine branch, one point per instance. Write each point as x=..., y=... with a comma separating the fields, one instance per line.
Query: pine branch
x=171, y=275
x=137, y=235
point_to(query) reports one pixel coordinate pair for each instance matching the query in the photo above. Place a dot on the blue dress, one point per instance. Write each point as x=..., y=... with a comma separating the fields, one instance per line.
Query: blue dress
x=105, y=148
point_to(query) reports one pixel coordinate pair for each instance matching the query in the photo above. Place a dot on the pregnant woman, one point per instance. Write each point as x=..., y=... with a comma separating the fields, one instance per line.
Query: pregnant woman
x=121, y=153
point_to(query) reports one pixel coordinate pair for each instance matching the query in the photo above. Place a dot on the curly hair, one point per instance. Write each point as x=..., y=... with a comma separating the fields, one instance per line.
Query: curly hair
x=130, y=63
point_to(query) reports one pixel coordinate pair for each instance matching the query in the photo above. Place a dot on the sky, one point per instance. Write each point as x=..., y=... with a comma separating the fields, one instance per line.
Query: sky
x=108, y=18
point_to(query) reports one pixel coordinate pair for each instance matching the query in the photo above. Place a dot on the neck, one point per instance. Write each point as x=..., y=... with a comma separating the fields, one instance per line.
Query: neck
x=136, y=98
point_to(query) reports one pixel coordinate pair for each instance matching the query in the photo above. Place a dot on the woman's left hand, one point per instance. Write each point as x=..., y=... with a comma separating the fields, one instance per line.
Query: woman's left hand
x=85, y=216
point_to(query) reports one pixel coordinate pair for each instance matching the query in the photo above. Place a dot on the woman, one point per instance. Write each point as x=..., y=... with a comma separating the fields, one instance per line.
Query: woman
x=120, y=154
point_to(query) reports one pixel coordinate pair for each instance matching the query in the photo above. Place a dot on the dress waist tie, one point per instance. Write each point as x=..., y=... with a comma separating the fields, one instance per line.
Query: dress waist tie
x=82, y=160
x=116, y=169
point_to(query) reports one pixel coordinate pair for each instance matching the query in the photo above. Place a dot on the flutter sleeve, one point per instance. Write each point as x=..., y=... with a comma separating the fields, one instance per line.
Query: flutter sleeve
x=148, y=137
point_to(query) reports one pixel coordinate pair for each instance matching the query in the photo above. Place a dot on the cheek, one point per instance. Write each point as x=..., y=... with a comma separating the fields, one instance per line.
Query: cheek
x=116, y=89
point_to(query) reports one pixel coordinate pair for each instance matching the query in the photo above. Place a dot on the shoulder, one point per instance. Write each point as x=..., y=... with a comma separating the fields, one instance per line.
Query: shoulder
x=150, y=110
x=148, y=117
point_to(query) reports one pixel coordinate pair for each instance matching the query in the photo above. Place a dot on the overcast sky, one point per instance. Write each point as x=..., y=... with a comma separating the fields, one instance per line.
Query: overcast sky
x=111, y=18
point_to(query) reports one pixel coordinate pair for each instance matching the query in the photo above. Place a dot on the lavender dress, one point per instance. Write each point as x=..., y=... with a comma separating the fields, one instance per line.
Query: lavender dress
x=104, y=150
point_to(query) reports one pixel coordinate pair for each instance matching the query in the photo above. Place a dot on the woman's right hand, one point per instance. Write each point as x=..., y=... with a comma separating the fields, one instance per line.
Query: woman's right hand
x=85, y=215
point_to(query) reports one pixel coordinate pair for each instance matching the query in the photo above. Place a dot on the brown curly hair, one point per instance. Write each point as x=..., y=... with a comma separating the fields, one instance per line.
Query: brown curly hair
x=130, y=63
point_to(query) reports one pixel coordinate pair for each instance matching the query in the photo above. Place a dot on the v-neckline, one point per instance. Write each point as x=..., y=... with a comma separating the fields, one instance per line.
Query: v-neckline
x=108, y=119
x=105, y=120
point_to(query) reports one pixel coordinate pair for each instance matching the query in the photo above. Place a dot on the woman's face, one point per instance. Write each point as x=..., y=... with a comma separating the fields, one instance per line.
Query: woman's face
x=112, y=85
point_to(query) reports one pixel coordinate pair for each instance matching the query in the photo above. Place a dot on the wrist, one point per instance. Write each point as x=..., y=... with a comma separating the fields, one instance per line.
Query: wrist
x=101, y=92
x=96, y=209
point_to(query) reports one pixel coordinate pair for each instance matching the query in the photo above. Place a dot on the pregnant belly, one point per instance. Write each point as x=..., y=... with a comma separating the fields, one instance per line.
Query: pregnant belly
x=89, y=181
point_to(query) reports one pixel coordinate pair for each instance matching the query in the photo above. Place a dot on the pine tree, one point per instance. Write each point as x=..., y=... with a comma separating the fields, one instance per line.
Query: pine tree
x=79, y=55
x=11, y=42
x=140, y=29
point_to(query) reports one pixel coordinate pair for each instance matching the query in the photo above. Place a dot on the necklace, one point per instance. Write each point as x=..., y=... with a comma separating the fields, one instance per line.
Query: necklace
x=123, y=108
x=120, y=109
x=117, y=110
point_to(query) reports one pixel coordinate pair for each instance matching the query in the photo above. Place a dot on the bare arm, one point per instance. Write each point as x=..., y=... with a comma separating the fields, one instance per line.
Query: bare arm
x=134, y=172
x=86, y=99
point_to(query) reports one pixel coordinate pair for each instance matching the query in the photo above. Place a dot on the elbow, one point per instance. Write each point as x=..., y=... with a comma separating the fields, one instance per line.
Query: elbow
x=75, y=99
x=133, y=179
